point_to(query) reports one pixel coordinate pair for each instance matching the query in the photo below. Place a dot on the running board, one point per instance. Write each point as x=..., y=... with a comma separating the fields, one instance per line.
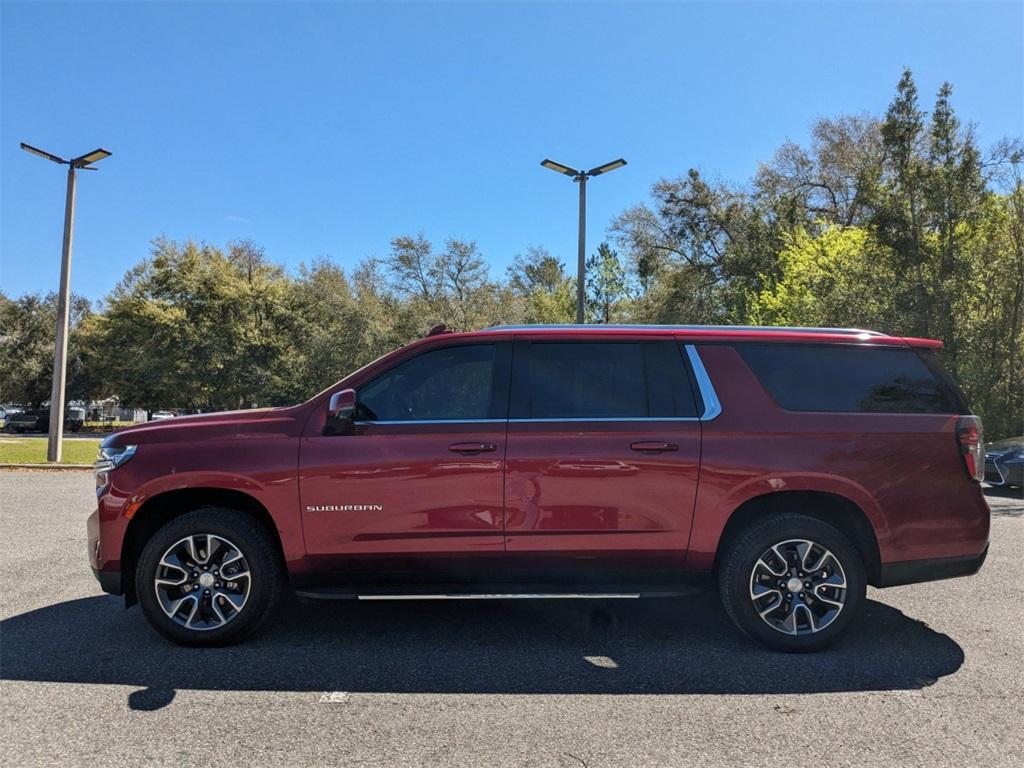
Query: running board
x=350, y=595
x=509, y=596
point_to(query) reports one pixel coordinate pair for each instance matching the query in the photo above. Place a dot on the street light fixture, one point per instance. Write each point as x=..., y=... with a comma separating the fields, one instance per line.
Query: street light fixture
x=580, y=177
x=54, y=447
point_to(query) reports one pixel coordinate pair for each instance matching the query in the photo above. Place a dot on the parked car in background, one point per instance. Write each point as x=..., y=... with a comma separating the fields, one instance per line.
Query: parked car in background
x=7, y=411
x=28, y=421
x=38, y=420
x=161, y=415
x=796, y=466
x=1004, y=462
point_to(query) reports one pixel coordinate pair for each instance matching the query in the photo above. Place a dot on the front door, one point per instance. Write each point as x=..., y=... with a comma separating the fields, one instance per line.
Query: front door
x=603, y=451
x=420, y=473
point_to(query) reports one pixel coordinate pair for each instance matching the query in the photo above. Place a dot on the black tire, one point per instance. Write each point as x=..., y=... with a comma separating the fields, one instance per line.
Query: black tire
x=738, y=566
x=255, y=545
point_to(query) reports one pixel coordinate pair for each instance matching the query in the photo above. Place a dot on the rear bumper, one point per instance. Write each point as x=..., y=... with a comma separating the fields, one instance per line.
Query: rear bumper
x=110, y=581
x=915, y=571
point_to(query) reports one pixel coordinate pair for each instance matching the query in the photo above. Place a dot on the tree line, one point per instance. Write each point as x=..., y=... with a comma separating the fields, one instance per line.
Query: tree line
x=899, y=223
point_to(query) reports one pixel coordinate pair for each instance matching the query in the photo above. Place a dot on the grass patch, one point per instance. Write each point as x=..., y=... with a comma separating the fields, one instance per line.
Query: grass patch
x=32, y=450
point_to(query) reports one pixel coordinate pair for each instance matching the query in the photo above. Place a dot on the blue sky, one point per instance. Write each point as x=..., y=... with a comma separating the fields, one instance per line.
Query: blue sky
x=323, y=130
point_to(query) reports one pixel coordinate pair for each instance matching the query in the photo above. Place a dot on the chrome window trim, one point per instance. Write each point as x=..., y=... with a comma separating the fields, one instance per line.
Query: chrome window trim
x=531, y=421
x=712, y=406
x=431, y=421
x=613, y=419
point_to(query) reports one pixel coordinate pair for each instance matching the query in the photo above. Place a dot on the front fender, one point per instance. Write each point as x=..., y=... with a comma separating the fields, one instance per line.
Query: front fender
x=263, y=470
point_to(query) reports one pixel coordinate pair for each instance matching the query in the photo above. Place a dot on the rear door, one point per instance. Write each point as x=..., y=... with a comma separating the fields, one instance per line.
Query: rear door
x=603, y=448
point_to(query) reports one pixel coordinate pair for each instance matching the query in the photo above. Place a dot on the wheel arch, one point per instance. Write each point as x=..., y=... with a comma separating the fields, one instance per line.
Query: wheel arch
x=831, y=508
x=160, y=509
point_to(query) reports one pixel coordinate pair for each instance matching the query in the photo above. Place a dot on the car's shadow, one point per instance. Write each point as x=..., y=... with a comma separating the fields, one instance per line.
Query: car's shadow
x=665, y=646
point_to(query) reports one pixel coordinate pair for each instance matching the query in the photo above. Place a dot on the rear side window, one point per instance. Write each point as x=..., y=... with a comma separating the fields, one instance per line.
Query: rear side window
x=600, y=380
x=819, y=377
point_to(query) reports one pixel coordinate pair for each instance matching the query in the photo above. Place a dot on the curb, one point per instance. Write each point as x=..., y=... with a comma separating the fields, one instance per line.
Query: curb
x=49, y=467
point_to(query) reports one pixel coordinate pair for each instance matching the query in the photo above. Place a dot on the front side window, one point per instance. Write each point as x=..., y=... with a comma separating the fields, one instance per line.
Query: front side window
x=852, y=379
x=600, y=380
x=446, y=384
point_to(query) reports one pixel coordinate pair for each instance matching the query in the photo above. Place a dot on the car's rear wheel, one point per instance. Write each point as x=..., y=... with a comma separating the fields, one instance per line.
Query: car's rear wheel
x=793, y=583
x=210, y=577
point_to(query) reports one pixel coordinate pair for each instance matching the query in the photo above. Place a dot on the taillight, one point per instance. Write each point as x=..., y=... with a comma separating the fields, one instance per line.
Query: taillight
x=968, y=434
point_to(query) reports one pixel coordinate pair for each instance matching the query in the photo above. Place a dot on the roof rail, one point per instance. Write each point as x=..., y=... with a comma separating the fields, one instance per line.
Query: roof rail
x=569, y=327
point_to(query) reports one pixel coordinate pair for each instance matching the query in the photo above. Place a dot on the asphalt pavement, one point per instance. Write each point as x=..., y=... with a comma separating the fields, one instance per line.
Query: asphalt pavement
x=933, y=676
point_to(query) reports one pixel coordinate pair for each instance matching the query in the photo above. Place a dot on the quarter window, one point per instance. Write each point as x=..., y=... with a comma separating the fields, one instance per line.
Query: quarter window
x=849, y=379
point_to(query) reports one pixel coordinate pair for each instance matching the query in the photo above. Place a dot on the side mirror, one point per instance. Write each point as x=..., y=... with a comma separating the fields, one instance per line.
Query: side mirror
x=342, y=405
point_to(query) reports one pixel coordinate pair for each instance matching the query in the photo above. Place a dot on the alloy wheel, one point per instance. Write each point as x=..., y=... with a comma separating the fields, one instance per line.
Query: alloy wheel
x=202, y=582
x=798, y=587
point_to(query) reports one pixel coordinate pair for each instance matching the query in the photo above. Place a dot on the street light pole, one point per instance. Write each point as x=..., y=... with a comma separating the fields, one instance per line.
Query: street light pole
x=581, y=263
x=54, y=444
x=580, y=177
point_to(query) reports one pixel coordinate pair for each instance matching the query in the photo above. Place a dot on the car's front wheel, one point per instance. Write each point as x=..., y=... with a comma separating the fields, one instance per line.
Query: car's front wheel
x=210, y=577
x=793, y=583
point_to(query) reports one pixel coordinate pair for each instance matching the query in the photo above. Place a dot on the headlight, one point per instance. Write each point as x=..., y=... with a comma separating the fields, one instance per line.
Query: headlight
x=109, y=460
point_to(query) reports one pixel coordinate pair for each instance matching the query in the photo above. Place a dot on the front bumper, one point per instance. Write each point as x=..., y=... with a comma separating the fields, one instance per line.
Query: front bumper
x=108, y=577
x=1002, y=471
x=916, y=571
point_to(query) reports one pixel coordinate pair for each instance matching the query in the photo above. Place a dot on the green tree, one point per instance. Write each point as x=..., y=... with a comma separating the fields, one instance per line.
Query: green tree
x=835, y=279
x=898, y=203
x=699, y=252
x=337, y=324
x=955, y=194
x=27, y=328
x=607, y=287
x=990, y=363
x=194, y=327
x=830, y=182
x=450, y=286
x=540, y=287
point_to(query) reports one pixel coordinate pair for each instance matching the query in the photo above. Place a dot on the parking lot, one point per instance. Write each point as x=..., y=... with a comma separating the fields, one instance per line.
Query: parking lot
x=933, y=676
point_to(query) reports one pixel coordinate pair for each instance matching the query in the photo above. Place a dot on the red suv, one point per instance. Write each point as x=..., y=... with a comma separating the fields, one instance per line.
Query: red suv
x=795, y=466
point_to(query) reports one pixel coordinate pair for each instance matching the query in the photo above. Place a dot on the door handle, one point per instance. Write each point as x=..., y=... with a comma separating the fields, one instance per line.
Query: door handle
x=471, y=448
x=654, y=446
